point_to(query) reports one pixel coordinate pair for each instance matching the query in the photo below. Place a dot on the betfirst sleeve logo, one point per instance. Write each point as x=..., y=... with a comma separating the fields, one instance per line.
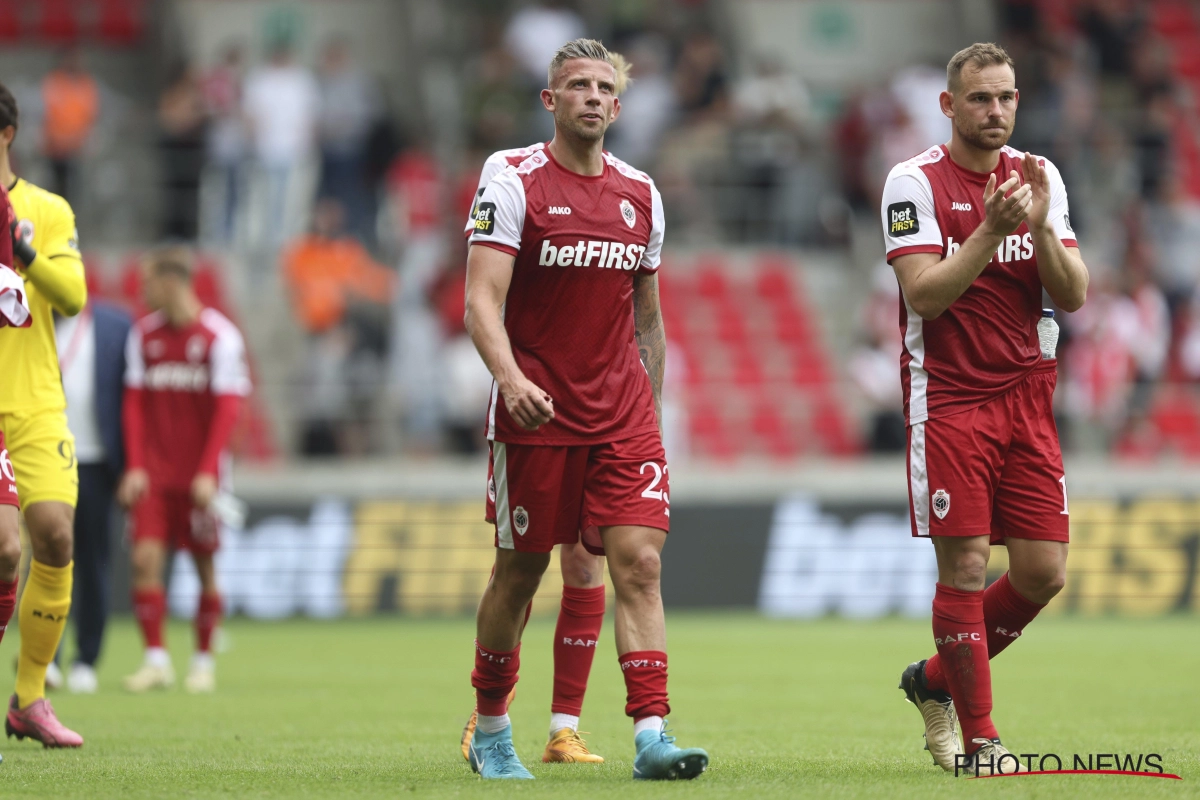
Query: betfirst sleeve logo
x=485, y=218
x=902, y=219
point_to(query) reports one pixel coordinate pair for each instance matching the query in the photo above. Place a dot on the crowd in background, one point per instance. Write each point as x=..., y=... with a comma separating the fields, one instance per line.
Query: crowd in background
x=354, y=210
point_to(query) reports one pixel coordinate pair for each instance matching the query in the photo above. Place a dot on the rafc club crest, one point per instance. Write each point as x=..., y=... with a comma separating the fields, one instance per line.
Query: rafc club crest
x=628, y=213
x=941, y=503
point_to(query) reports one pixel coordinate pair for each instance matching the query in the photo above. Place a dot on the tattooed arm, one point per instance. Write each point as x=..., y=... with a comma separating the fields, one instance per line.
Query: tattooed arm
x=650, y=335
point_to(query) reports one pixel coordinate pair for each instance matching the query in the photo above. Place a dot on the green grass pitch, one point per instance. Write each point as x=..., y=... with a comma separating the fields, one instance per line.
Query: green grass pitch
x=373, y=708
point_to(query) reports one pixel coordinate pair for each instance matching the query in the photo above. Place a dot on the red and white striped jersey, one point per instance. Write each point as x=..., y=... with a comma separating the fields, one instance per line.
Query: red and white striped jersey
x=986, y=341
x=577, y=241
x=181, y=371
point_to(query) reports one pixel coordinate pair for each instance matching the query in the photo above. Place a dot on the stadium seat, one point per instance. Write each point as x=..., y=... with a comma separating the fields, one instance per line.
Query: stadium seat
x=58, y=23
x=10, y=21
x=1173, y=19
x=121, y=21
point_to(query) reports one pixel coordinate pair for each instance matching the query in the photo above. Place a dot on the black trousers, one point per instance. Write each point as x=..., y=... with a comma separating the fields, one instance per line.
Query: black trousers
x=93, y=534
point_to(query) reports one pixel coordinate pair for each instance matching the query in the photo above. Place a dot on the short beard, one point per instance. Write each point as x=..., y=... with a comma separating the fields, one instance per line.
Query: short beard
x=982, y=142
x=581, y=132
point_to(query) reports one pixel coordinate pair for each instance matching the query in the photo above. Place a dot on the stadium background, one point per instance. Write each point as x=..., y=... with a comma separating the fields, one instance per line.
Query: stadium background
x=769, y=126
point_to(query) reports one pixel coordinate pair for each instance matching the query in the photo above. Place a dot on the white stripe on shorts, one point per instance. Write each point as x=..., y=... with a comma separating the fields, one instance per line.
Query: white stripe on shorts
x=918, y=479
x=500, y=474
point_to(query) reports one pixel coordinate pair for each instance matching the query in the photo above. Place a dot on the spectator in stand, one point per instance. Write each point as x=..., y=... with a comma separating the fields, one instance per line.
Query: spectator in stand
x=536, y=31
x=466, y=382
x=648, y=106
x=341, y=298
x=873, y=367
x=182, y=121
x=91, y=354
x=281, y=102
x=701, y=80
x=71, y=106
x=349, y=108
x=222, y=88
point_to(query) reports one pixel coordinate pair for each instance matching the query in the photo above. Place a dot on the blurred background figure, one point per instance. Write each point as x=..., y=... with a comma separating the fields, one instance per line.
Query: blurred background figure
x=183, y=120
x=281, y=103
x=340, y=297
x=349, y=108
x=70, y=108
x=222, y=87
x=91, y=353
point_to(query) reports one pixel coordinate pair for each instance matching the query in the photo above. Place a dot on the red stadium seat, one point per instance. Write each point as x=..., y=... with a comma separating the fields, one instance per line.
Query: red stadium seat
x=58, y=24
x=747, y=369
x=708, y=431
x=121, y=21
x=731, y=328
x=711, y=282
x=1173, y=19
x=10, y=21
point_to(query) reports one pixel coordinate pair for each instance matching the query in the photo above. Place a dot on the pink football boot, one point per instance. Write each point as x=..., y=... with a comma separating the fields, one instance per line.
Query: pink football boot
x=39, y=723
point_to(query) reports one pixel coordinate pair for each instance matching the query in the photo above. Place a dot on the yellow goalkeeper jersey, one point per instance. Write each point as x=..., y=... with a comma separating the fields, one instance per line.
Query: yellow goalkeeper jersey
x=29, y=376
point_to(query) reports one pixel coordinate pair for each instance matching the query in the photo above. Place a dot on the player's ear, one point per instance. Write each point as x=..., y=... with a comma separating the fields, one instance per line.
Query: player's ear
x=946, y=101
x=616, y=112
x=548, y=99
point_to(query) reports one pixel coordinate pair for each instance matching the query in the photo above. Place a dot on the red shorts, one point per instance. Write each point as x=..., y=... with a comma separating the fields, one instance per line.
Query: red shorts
x=168, y=516
x=540, y=496
x=993, y=470
x=8, y=478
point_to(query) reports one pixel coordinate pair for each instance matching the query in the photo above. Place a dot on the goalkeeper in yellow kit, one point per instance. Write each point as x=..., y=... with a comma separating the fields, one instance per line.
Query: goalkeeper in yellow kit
x=33, y=420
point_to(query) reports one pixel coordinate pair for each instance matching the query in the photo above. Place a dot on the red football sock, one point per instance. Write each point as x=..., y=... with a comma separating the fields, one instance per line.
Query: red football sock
x=208, y=616
x=150, y=606
x=961, y=638
x=1005, y=612
x=579, y=621
x=8, y=602
x=494, y=676
x=645, y=674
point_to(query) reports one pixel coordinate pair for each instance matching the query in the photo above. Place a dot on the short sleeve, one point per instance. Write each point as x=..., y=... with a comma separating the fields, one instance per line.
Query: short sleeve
x=1059, y=214
x=230, y=374
x=652, y=258
x=909, y=222
x=500, y=213
x=135, y=364
x=491, y=168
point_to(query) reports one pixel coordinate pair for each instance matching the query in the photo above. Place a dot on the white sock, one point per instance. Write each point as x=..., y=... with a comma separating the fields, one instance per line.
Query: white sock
x=203, y=661
x=560, y=721
x=648, y=724
x=486, y=724
x=158, y=657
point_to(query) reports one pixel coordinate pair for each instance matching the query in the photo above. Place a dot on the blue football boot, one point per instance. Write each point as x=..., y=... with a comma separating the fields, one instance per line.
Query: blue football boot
x=492, y=756
x=658, y=759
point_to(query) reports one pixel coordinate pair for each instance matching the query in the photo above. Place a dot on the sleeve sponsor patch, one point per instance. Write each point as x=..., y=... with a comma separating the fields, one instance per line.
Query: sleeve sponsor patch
x=485, y=218
x=1067, y=222
x=902, y=219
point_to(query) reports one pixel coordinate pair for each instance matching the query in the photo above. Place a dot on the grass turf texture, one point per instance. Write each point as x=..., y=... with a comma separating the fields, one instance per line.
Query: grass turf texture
x=373, y=708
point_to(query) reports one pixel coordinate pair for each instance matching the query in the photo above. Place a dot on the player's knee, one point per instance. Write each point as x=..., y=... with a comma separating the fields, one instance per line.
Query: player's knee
x=970, y=572
x=643, y=572
x=10, y=551
x=582, y=571
x=145, y=562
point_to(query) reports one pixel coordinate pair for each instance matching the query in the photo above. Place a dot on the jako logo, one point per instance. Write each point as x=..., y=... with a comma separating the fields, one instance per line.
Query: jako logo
x=560, y=210
x=605, y=255
x=960, y=206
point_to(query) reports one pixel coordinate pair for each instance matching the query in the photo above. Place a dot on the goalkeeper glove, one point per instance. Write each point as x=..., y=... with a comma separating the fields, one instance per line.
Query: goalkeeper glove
x=21, y=248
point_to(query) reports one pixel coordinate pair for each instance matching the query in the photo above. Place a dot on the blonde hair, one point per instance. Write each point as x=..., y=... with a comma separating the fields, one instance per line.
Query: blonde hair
x=593, y=49
x=980, y=55
x=172, y=260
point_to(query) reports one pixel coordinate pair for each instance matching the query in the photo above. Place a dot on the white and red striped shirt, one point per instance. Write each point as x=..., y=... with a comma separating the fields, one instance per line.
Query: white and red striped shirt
x=986, y=341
